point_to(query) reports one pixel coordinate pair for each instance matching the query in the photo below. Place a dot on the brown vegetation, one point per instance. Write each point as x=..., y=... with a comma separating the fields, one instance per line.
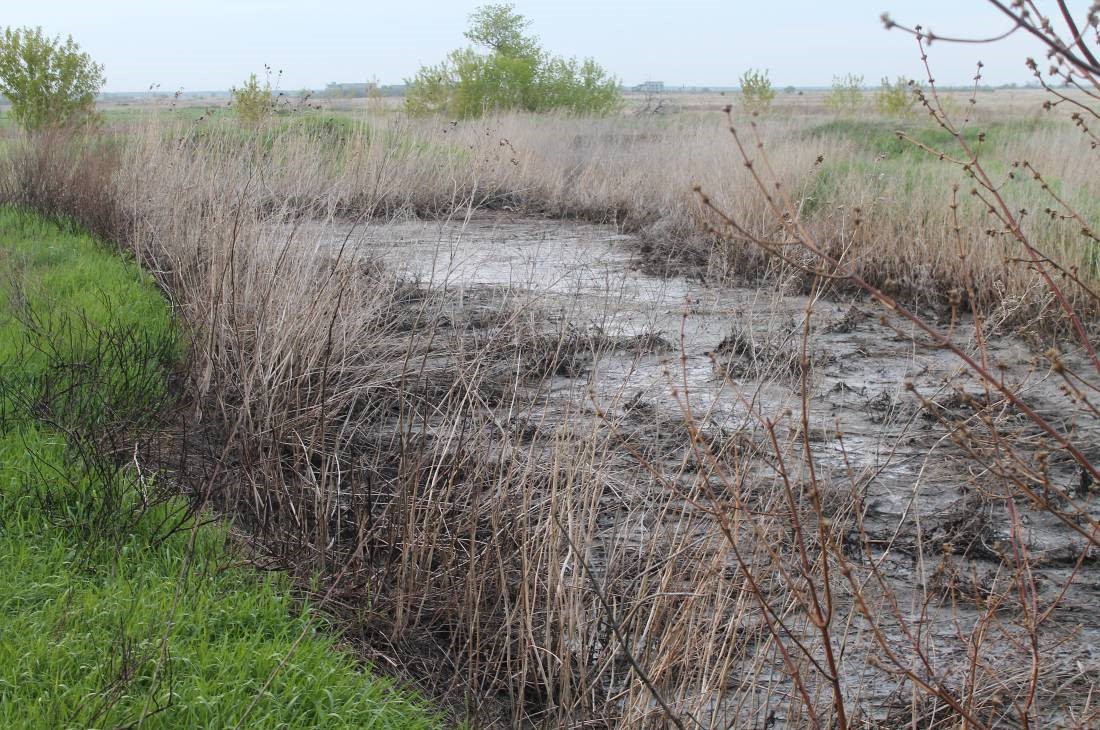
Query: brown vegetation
x=603, y=560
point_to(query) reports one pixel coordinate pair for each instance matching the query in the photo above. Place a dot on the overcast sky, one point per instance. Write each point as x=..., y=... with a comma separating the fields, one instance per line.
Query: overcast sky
x=214, y=44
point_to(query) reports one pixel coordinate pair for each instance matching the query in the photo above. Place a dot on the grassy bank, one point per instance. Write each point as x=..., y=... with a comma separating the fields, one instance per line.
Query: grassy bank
x=116, y=607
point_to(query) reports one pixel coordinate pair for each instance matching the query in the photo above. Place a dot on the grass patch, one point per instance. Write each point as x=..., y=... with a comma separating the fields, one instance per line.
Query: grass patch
x=145, y=627
x=880, y=136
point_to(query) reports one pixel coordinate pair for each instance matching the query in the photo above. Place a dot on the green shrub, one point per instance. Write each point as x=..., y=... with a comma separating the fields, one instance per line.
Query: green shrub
x=757, y=93
x=846, y=94
x=896, y=99
x=514, y=73
x=49, y=82
x=253, y=102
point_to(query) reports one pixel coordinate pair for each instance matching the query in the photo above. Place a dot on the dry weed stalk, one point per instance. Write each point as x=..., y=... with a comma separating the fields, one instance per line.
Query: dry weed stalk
x=1009, y=442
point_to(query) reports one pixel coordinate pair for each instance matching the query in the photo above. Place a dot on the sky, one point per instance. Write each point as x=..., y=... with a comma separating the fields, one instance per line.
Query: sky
x=197, y=45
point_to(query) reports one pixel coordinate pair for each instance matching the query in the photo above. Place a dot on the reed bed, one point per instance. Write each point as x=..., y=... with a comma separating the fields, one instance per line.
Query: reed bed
x=587, y=568
x=879, y=201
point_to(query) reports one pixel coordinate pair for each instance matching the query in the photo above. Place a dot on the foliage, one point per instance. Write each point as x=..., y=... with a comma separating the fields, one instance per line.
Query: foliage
x=49, y=82
x=432, y=88
x=253, y=102
x=500, y=28
x=757, y=93
x=896, y=99
x=152, y=629
x=513, y=73
x=846, y=94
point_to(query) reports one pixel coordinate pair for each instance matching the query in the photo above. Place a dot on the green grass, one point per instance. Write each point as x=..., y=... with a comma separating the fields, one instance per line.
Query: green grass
x=103, y=633
x=879, y=136
x=882, y=153
x=123, y=116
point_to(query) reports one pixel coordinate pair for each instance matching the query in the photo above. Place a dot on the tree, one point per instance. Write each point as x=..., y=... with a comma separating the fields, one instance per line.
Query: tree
x=756, y=91
x=896, y=99
x=252, y=101
x=49, y=82
x=513, y=72
x=846, y=95
x=500, y=28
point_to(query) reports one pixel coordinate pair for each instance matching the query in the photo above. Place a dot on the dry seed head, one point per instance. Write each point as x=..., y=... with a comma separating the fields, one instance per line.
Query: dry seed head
x=1055, y=359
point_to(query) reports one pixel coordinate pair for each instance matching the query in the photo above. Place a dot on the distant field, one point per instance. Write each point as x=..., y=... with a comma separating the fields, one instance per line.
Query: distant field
x=809, y=101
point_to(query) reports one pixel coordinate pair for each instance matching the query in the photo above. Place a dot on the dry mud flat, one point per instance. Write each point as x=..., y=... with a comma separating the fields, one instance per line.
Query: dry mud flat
x=636, y=357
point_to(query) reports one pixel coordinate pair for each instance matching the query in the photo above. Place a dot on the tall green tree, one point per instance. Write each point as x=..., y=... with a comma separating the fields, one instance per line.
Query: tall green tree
x=500, y=28
x=508, y=69
x=49, y=82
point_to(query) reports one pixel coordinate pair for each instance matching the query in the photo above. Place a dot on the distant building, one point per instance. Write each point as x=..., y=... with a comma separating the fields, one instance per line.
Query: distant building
x=651, y=87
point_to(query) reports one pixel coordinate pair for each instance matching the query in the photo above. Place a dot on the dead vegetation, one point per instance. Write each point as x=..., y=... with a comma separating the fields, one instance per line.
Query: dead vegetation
x=632, y=558
x=874, y=199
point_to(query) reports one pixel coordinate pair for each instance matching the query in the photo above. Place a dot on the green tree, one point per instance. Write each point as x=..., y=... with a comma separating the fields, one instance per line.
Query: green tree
x=511, y=72
x=49, y=82
x=253, y=102
x=757, y=93
x=846, y=95
x=896, y=99
x=500, y=28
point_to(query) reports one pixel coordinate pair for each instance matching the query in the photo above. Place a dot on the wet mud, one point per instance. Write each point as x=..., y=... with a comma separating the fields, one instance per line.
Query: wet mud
x=639, y=355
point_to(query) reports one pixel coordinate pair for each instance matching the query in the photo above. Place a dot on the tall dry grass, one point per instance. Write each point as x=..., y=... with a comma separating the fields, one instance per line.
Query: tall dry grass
x=879, y=202
x=357, y=436
x=586, y=569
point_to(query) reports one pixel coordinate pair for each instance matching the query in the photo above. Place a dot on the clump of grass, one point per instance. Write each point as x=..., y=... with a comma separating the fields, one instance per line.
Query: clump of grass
x=769, y=353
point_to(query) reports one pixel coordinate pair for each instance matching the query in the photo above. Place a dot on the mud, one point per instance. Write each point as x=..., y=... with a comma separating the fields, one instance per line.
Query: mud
x=643, y=351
